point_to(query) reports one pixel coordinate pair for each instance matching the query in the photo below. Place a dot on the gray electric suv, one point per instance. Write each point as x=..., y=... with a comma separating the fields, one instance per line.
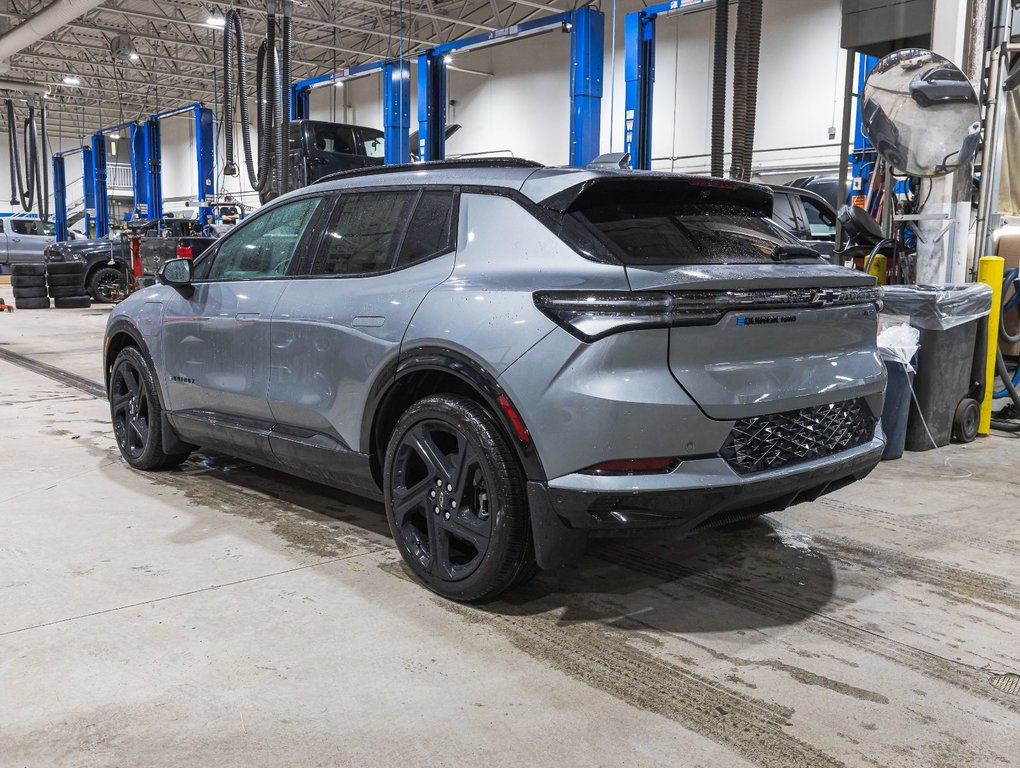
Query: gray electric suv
x=515, y=358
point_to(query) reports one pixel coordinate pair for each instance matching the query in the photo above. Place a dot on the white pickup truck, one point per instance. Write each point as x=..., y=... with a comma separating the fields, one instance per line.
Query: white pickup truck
x=23, y=240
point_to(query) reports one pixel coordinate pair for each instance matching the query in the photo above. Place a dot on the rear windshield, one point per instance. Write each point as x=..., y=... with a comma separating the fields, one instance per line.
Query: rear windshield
x=643, y=233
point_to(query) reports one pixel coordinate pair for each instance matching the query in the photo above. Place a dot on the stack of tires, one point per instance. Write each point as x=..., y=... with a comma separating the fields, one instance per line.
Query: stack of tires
x=67, y=285
x=28, y=281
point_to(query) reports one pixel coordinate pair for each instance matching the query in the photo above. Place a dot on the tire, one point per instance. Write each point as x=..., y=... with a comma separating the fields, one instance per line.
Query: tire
x=65, y=291
x=31, y=303
x=73, y=302
x=447, y=453
x=65, y=268
x=28, y=270
x=966, y=420
x=104, y=285
x=77, y=280
x=30, y=293
x=28, y=281
x=135, y=413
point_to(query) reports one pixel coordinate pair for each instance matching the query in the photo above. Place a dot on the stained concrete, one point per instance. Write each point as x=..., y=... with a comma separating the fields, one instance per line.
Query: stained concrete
x=227, y=615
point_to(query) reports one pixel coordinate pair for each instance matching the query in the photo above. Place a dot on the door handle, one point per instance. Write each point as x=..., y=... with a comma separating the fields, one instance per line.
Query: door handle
x=247, y=316
x=368, y=321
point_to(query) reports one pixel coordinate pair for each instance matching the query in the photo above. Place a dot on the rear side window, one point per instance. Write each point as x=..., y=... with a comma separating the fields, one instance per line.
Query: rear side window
x=364, y=233
x=782, y=212
x=429, y=232
x=646, y=232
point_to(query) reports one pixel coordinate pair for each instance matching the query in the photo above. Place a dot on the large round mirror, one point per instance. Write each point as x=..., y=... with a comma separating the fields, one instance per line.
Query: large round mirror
x=921, y=113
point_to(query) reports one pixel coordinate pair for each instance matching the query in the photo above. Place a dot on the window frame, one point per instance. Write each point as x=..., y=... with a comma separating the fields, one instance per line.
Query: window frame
x=451, y=245
x=300, y=249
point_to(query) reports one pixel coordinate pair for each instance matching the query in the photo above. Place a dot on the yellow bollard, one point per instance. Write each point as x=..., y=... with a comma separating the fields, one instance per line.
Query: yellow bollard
x=990, y=272
x=879, y=265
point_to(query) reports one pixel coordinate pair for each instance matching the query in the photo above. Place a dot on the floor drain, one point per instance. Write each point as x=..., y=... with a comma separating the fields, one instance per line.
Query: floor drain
x=1007, y=683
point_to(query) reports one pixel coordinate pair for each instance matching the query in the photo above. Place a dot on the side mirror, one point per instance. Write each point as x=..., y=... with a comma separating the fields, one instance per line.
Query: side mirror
x=176, y=273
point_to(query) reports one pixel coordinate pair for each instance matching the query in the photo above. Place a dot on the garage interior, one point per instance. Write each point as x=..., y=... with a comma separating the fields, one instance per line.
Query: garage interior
x=226, y=612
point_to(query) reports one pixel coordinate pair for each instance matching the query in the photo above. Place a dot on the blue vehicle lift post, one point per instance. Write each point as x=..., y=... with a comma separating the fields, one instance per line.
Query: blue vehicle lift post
x=587, y=41
x=152, y=166
x=639, y=73
x=59, y=198
x=396, y=111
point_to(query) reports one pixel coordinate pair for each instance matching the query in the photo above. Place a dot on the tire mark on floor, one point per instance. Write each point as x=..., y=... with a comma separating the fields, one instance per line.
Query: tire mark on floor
x=80, y=383
x=747, y=597
x=923, y=525
x=600, y=656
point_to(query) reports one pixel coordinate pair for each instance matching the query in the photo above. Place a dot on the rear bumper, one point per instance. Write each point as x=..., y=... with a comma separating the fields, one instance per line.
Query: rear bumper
x=698, y=495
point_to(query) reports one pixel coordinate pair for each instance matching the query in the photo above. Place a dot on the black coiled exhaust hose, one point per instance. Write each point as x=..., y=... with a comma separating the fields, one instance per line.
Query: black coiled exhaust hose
x=737, y=134
x=261, y=179
x=719, y=60
x=19, y=193
x=283, y=151
x=746, y=52
x=753, y=61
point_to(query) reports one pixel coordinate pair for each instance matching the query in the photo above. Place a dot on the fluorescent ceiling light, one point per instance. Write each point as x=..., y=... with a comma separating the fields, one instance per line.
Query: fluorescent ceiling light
x=114, y=136
x=71, y=80
x=215, y=19
x=448, y=59
x=133, y=56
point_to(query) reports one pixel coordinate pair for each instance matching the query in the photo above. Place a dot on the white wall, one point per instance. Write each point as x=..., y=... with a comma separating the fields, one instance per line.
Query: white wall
x=178, y=158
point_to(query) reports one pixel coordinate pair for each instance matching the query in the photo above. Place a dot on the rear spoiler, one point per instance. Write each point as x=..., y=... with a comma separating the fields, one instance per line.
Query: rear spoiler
x=705, y=189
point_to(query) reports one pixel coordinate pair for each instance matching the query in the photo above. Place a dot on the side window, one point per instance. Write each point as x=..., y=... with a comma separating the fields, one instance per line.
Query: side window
x=429, y=232
x=19, y=226
x=262, y=247
x=782, y=212
x=364, y=233
x=821, y=221
x=1, y=225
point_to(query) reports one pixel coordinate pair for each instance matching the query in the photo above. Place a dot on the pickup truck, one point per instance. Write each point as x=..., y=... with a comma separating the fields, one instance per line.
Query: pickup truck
x=23, y=241
x=107, y=261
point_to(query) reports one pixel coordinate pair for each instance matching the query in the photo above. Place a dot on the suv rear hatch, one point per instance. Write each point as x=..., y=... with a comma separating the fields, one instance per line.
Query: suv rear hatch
x=759, y=324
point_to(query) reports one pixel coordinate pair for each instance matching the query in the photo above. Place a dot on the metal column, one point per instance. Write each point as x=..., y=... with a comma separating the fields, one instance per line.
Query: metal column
x=300, y=101
x=154, y=162
x=204, y=149
x=59, y=198
x=587, y=42
x=639, y=73
x=102, y=206
x=140, y=170
x=88, y=189
x=397, y=110
x=431, y=107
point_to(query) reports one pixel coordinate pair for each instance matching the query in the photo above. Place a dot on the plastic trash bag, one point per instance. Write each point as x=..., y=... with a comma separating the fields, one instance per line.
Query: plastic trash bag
x=899, y=344
x=938, y=307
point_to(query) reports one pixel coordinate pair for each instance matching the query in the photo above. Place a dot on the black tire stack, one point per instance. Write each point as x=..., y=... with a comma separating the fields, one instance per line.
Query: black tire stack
x=67, y=285
x=28, y=281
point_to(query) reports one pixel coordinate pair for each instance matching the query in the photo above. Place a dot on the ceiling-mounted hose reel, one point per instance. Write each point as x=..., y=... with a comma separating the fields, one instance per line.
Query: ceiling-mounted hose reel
x=36, y=167
x=272, y=93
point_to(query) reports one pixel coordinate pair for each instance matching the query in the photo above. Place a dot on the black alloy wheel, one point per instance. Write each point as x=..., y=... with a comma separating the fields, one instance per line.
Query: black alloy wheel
x=455, y=500
x=105, y=285
x=136, y=413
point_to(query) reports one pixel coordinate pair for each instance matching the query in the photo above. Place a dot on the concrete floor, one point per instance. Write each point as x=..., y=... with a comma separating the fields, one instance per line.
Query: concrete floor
x=227, y=615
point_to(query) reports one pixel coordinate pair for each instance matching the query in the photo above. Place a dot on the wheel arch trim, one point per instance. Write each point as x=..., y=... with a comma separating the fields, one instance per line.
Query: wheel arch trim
x=444, y=360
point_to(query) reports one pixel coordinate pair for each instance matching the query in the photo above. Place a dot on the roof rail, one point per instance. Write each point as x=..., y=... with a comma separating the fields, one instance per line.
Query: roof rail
x=491, y=162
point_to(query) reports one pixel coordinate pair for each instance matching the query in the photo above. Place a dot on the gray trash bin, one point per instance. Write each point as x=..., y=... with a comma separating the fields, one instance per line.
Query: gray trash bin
x=950, y=367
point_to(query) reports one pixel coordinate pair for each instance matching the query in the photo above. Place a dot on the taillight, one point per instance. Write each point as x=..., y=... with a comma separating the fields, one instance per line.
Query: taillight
x=657, y=465
x=592, y=315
